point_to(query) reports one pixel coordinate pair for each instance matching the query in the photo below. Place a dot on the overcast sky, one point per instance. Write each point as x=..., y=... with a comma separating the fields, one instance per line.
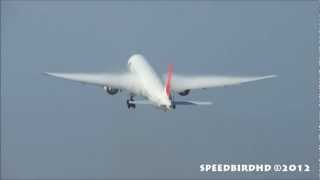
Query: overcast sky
x=52, y=128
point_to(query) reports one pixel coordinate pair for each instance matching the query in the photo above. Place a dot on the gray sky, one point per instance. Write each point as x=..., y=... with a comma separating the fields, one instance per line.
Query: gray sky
x=53, y=128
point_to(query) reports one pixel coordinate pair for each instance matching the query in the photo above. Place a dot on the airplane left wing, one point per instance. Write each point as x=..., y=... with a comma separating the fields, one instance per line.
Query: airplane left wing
x=181, y=83
x=126, y=81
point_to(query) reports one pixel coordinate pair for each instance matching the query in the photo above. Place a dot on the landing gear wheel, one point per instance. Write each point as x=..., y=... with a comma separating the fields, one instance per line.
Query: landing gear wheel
x=130, y=105
x=172, y=101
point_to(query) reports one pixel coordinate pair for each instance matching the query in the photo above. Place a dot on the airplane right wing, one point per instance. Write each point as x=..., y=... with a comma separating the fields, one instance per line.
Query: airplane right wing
x=125, y=81
x=181, y=83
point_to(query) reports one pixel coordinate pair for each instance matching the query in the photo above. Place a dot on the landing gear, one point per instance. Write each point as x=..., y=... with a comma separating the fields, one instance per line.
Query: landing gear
x=129, y=104
x=173, y=106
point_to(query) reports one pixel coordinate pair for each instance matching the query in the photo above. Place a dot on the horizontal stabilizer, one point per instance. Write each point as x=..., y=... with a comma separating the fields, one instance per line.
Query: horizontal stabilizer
x=146, y=102
x=193, y=103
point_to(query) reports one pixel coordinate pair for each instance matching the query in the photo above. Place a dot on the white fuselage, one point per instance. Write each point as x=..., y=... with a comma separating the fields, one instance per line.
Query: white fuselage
x=152, y=86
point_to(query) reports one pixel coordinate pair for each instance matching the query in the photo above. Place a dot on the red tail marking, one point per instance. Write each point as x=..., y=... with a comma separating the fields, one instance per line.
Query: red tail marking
x=168, y=82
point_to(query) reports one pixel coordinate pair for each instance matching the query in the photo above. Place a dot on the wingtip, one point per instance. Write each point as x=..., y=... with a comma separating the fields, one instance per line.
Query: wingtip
x=270, y=76
x=45, y=73
x=48, y=74
x=209, y=103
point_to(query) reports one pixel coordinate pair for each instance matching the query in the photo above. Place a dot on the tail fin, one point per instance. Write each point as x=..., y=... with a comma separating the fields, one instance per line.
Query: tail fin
x=168, y=82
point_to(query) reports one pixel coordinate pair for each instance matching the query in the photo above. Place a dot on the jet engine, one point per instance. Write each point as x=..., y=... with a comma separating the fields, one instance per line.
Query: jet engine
x=110, y=90
x=184, y=93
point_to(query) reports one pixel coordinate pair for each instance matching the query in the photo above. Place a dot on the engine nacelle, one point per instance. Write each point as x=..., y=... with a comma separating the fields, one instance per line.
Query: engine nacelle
x=184, y=93
x=110, y=90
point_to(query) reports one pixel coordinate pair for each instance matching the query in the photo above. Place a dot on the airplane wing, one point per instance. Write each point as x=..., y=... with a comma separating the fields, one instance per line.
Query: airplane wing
x=181, y=83
x=126, y=81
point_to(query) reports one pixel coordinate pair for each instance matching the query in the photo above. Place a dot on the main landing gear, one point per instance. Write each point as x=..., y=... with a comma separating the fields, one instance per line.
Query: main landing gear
x=129, y=104
x=173, y=105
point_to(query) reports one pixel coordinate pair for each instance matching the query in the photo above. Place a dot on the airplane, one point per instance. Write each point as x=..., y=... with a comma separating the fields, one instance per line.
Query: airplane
x=142, y=80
